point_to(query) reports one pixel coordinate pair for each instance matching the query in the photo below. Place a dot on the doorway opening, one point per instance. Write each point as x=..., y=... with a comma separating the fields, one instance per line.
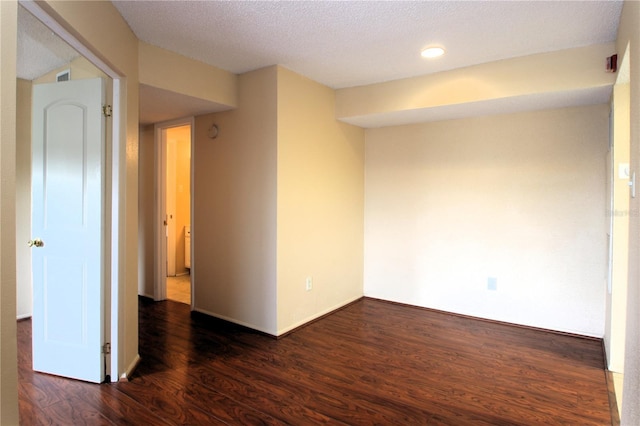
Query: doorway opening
x=84, y=65
x=174, y=266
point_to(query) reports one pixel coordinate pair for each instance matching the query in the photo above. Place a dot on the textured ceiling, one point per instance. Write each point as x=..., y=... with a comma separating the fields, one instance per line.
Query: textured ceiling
x=351, y=43
x=39, y=50
x=342, y=43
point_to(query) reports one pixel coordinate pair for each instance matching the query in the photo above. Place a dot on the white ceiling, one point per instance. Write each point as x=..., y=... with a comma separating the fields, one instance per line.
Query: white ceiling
x=352, y=43
x=39, y=50
x=342, y=43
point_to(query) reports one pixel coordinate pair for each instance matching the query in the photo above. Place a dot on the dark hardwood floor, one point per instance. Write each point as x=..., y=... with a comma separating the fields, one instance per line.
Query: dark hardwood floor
x=371, y=363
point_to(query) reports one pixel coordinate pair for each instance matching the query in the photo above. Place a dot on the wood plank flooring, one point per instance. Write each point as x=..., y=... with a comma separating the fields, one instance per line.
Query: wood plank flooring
x=370, y=363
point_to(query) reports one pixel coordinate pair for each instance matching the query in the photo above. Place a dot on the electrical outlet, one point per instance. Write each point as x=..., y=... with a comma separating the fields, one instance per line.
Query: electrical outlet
x=309, y=283
x=492, y=283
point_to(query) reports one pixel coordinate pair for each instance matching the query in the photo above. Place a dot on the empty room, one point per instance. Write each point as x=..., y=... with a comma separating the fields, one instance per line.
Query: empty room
x=392, y=212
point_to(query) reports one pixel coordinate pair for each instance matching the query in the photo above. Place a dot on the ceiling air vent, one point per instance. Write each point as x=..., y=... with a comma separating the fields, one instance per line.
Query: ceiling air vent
x=63, y=76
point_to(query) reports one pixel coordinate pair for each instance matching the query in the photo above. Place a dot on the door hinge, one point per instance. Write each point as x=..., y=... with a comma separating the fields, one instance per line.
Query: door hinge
x=107, y=110
x=106, y=348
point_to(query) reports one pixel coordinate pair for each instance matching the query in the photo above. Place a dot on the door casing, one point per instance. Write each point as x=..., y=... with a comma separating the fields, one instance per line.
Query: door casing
x=160, y=261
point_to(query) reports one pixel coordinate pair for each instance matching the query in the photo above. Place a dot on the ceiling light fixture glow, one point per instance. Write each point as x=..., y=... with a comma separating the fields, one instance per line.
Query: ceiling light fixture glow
x=432, y=52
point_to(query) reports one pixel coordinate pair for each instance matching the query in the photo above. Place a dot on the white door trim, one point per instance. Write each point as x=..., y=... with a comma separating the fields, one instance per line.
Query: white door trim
x=160, y=149
x=115, y=225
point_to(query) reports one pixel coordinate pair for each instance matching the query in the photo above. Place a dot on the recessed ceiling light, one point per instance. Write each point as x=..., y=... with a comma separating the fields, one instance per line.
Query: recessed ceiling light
x=432, y=52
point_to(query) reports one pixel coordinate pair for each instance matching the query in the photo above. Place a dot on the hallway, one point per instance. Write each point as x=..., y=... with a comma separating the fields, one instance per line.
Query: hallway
x=179, y=289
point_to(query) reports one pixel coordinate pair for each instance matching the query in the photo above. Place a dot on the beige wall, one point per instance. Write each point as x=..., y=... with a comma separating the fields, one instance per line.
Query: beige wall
x=8, y=338
x=281, y=153
x=170, y=71
x=616, y=305
x=234, y=217
x=629, y=34
x=147, y=212
x=515, y=197
x=176, y=73
x=23, y=199
x=320, y=203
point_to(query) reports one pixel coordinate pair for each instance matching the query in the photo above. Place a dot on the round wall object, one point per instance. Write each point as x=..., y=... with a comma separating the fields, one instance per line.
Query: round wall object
x=213, y=131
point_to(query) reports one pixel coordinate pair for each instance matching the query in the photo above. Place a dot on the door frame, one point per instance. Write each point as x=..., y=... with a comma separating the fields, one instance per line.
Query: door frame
x=115, y=169
x=160, y=257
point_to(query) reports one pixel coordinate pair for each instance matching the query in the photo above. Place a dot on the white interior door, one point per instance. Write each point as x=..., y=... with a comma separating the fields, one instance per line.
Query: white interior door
x=67, y=216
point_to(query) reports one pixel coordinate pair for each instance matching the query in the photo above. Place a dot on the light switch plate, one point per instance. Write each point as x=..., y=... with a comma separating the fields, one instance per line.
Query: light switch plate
x=623, y=170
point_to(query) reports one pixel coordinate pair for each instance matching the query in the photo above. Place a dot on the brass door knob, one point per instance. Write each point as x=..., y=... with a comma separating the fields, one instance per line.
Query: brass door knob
x=37, y=243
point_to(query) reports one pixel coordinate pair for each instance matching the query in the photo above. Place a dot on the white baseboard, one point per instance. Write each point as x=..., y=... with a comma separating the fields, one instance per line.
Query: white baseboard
x=125, y=376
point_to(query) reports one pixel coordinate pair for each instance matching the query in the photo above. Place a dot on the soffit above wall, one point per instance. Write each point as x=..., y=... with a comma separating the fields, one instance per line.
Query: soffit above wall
x=157, y=105
x=534, y=102
x=572, y=77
